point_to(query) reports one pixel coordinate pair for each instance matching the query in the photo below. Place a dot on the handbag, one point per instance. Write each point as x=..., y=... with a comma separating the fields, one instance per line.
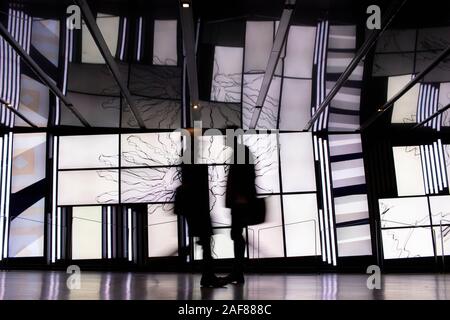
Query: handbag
x=256, y=213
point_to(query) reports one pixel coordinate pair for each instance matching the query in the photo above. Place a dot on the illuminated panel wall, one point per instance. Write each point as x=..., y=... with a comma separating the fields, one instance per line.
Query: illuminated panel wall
x=88, y=170
x=416, y=223
x=350, y=195
x=27, y=213
x=109, y=27
x=285, y=177
x=402, y=53
x=86, y=233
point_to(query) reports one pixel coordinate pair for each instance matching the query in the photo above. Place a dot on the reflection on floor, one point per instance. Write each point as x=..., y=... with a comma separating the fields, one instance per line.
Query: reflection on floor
x=162, y=286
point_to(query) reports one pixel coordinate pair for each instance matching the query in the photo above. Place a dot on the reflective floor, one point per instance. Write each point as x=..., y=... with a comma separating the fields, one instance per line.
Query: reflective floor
x=162, y=286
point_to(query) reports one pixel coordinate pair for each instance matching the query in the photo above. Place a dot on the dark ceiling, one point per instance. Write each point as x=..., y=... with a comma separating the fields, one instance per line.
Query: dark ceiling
x=414, y=14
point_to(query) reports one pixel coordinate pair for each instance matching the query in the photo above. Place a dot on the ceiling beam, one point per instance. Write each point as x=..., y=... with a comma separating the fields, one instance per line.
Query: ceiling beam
x=17, y=113
x=390, y=103
x=106, y=53
x=40, y=73
x=189, y=49
x=280, y=39
x=360, y=54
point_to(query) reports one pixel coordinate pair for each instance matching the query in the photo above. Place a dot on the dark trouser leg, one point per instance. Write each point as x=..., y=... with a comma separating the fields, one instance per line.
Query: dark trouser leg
x=207, y=267
x=237, y=230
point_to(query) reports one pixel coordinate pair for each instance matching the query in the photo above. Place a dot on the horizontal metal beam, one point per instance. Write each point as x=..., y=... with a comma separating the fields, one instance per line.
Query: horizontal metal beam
x=280, y=39
x=17, y=113
x=434, y=115
x=390, y=103
x=111, y=63
x=40, y=73
x=361, y=53
x=189, y=44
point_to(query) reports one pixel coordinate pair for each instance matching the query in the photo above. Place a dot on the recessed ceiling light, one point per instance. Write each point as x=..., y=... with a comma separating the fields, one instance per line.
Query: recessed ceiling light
x=195, y=106
x=186, y=5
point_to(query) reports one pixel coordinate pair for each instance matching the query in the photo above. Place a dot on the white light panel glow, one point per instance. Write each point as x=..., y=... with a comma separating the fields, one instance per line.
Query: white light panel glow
x=109, y=27
x=87, y=233
x=405, y=109
x=408, y=170
x=88, y=187
x=297, y=162
x=165, y=43
x=93, y=151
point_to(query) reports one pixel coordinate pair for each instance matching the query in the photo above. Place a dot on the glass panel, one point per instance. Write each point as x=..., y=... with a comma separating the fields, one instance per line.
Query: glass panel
x=87, y=233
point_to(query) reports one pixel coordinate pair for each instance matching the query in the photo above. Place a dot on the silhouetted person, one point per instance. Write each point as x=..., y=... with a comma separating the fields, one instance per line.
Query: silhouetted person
x=240, y=197
x=192, y=202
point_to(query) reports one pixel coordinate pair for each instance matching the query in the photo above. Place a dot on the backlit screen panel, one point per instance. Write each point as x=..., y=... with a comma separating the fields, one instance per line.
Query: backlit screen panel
x=227, y=74
x=405, y=109
x=26, y=237
x=165, y=43
x=404, y=212
x=88, y=187
x=162, y=230
x=301, y=225
x=149, y=184
x=87, y=233
x=109, y=27
x=95, y=151
x=151, y=149
x=408, y=170
x=258, y=45
x=297, y=162
x=300, y=52
x=407, y=243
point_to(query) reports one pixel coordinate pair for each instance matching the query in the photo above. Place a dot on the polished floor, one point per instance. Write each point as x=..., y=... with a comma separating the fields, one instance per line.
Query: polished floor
x=168, y=286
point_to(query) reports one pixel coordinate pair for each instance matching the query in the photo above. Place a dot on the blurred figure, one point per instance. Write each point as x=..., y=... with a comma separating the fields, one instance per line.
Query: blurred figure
x=192, y=202
x=240, y=198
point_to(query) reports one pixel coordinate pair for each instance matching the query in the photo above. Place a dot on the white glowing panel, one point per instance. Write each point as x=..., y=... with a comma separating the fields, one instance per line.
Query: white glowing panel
x=297, y=162
x=407, y=243
x=408, y=170
x=354, y=241
x=295, y=104
x=301, y=225
x=444, y=100
x=165, y=43
x=162, y=231
x=26, y=234
x=264, y=148
x=299, y=52
x=266, y=239
x=440, y=209
x=28, y=165
x=405, y=109
x=269, y=114
x=214, y=150
x=149, y=184
x=87, y=233
x=151, y=149
x=258, y=45
x=227, y=74
x=109, y=27
x=88, y=187
x=93, y=151
x=404, y=212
